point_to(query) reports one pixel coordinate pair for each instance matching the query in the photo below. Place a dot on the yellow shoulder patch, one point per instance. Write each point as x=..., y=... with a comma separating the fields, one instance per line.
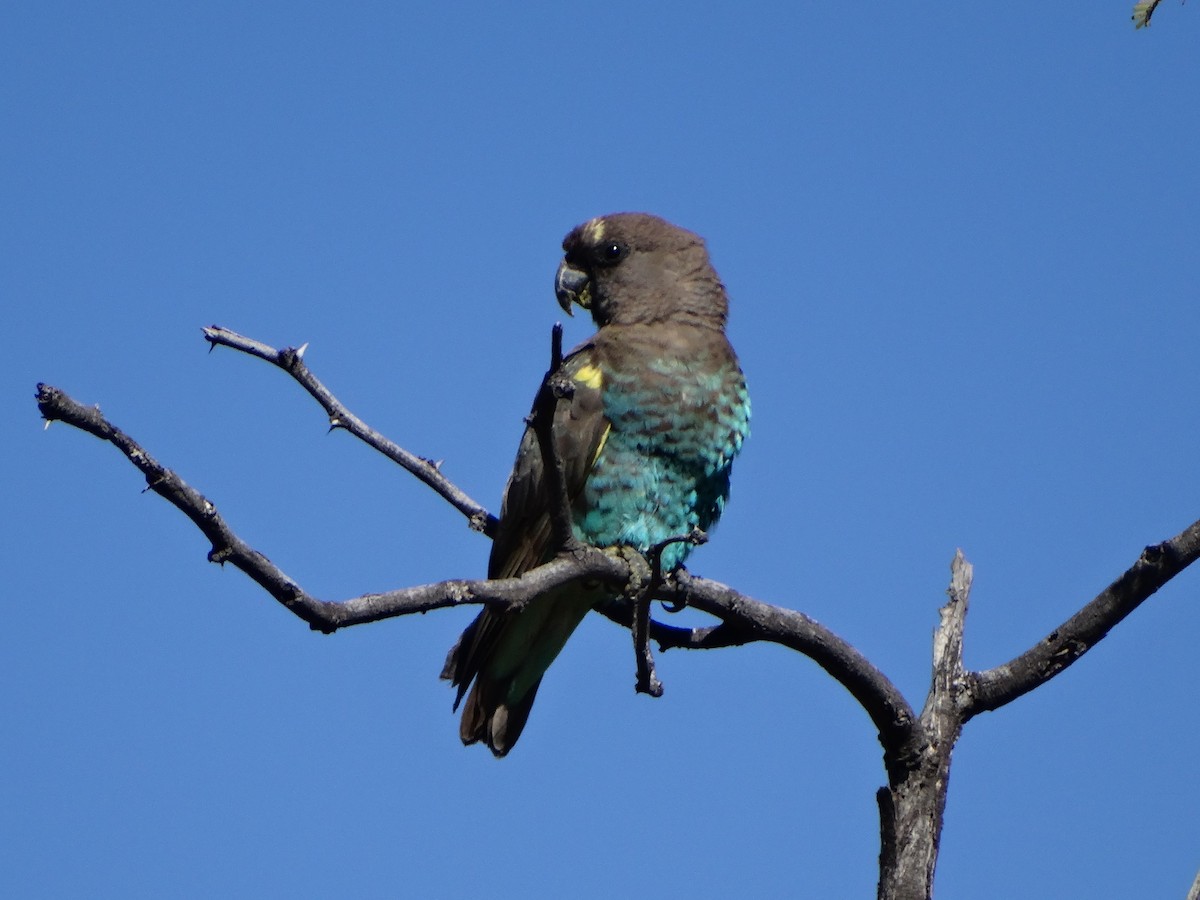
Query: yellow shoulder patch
x=590, y=376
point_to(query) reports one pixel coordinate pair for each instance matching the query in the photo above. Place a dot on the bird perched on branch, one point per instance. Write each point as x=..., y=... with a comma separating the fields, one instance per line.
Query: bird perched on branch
x=647, y=440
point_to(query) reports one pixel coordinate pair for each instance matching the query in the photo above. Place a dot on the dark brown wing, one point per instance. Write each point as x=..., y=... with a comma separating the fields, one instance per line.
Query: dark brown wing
x=523, y=536
x=522, y=539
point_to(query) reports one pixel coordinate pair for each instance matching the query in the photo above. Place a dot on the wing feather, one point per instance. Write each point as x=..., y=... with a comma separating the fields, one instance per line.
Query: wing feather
x=522, y=540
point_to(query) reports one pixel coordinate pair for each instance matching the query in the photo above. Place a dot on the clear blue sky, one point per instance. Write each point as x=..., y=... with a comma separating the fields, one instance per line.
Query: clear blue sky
x=960, y=244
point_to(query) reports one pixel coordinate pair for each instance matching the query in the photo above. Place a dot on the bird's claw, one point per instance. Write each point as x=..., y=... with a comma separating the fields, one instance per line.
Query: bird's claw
x=641, y=574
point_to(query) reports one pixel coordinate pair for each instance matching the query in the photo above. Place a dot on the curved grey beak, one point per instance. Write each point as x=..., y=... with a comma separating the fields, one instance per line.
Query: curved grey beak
x=572, y=285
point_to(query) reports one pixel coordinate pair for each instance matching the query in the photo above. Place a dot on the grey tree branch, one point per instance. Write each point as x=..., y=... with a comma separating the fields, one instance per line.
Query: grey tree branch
x=1157, y=565
x=291, y=360
x=321, y=615
x=917, y=749
x=226, y=546
x=746, y=619
x=912, y=806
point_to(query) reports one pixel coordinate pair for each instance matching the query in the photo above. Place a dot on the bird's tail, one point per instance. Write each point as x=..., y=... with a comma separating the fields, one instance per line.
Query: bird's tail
x=487, y=716
x=501, y=658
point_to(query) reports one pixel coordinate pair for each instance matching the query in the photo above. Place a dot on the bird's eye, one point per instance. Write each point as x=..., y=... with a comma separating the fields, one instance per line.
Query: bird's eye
x=613, y=251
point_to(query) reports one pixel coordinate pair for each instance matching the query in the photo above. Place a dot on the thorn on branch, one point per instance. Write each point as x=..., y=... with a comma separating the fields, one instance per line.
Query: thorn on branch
x=210, y=335
x=289, y=359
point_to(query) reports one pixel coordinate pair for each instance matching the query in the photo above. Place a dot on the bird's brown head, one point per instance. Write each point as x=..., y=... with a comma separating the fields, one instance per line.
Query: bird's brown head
x=635, y=268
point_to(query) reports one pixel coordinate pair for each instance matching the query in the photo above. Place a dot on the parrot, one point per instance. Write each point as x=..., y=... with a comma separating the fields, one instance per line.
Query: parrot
x=647, y=438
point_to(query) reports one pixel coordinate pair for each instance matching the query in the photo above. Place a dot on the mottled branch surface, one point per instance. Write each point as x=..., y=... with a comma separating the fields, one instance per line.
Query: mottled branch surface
x=917, y=749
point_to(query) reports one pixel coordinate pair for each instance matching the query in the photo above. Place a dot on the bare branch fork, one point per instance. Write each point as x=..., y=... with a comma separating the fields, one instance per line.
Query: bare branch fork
x=916, y=749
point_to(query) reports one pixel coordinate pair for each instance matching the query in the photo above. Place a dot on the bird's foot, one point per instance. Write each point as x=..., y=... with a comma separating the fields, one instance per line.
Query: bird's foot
x=638, y=591
x=641, y=574
x=695, y=537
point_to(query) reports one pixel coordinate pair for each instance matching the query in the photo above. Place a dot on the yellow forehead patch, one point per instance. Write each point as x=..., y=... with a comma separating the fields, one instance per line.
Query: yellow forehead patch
x=595, y=231
x=590, y=376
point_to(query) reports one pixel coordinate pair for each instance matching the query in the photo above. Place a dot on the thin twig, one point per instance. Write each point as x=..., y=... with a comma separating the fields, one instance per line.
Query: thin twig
x=292, y=361
x=589, y=565
x=1156, y=566
x=555, y=388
